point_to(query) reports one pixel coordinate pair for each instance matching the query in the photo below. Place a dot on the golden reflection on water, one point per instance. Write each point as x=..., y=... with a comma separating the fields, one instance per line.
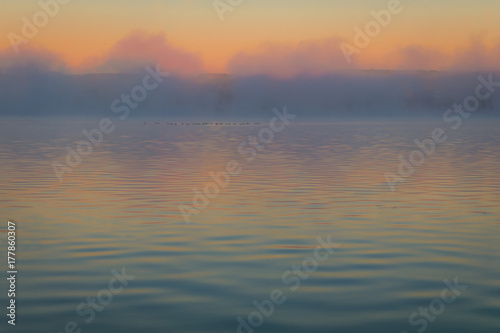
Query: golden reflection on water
x=120, y=208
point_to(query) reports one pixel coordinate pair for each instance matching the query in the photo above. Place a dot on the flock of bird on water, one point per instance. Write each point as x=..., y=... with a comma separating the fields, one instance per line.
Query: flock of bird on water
x=205, y=123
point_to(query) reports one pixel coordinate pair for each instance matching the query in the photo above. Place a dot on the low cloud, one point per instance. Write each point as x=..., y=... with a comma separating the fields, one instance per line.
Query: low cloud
x=416, y=57
x=320, y=57
x=31, y=59
x=317, y=58
x=476, y=55
x=313, y=57
x=134, y=52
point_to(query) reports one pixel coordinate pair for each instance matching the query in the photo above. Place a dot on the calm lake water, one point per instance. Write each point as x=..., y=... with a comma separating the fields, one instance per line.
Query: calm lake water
x=118, y=209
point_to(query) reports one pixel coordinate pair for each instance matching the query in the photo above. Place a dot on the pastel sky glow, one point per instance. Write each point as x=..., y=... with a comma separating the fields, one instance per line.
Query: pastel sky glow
x=274, y=37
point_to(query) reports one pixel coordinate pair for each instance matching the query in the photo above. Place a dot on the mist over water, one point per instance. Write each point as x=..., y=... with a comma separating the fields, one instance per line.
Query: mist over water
x=119, y=208
x=355, y=94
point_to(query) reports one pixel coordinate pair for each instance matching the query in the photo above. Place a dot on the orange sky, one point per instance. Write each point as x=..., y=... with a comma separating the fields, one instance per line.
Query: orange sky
x=447, y=33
